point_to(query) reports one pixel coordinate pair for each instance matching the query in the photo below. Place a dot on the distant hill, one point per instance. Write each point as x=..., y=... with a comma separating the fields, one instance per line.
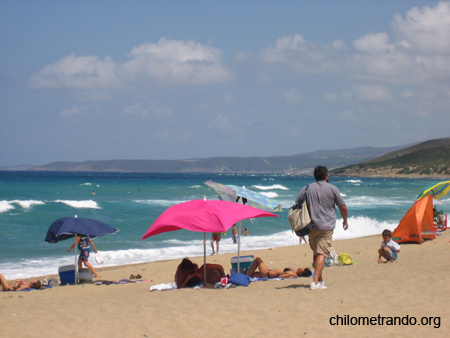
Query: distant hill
x=430, y=158
x=295, y=164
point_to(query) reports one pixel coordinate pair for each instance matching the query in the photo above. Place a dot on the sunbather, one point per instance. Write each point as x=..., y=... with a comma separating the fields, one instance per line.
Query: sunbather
x=189, y=274
x=19, y=285
x=276, y=273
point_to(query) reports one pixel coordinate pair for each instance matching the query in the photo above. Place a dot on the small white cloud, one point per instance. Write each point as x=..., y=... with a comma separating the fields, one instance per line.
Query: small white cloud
x=372, y=92
x=293, y=96
x=83, y=72
x=295, y=53
x=221, y=122
x=228, y=98
x=406, y=93
x=175, y=62
x=338, y=44
x=373, y=43
x=330, y=97
x=242, y=56
x=348, y=116
x=74, y=110
x=347, y=94
x=151, y=110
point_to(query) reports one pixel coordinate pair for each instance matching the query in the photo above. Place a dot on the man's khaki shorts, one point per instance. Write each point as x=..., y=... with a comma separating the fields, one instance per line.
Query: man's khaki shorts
x=320, y=241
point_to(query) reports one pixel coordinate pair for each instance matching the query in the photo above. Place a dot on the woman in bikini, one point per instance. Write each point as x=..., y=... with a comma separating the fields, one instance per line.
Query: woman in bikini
x=19, y=285
x=276, y=273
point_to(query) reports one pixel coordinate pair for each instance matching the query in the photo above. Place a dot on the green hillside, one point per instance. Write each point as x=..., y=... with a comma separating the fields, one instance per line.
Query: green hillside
x=430, y=158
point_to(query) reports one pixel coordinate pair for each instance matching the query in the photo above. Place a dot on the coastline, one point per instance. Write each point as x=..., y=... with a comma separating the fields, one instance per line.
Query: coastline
x=414, y=286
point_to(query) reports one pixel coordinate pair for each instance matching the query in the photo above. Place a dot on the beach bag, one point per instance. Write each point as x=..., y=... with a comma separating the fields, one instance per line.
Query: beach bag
x=239, y=279
x=333, y=259
x=53, y=282
x=345, y=259
x=299, y=218
x=99, y=258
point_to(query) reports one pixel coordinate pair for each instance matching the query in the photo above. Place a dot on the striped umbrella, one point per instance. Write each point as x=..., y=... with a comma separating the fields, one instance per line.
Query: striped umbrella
x=231, y=193
x=438, y=190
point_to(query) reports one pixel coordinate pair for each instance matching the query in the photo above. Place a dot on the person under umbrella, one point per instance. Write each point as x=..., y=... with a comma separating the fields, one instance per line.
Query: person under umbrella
x=84, y=245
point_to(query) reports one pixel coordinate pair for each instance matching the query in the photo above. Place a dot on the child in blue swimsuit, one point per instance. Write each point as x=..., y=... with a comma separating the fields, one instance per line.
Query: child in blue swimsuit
x=84, y=245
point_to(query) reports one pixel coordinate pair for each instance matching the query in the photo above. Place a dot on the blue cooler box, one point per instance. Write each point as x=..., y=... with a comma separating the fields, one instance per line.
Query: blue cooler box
x=67, y=274
x=245, y=263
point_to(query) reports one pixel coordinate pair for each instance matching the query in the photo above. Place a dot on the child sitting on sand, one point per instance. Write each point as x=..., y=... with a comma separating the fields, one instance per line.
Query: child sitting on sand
x=389, y=249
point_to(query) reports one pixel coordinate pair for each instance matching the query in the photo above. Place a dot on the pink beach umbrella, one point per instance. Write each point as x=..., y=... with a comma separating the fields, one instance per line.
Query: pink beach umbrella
x=203, y=216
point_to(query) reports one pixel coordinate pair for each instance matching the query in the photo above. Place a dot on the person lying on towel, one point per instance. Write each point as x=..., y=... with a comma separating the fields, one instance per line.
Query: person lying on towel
x=189, y=274
x=19, y=285
x=276, y=273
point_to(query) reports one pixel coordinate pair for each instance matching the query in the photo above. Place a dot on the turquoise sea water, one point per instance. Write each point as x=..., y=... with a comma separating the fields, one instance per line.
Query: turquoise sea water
x=31, y=201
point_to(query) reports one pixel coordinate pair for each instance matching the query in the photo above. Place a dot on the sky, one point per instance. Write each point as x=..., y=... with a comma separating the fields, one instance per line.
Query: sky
x=103, y=80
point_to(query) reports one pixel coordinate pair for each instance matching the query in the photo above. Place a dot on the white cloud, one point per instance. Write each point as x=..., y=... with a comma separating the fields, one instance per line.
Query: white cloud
x=150, y=110
x=304, y=57
x=426, y=29
x=70, y=111
x=372, y=93
x=221, y=122
x=175, y=62
x=420, y=55
x=170, y=62
x=348, y=116
x=83, y=72
x=406, y=94
x=373, y=43
x=293, y=96
x=330, y=97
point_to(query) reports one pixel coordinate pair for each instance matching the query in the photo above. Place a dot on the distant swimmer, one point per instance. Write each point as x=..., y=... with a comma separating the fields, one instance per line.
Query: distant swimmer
x=93, y=193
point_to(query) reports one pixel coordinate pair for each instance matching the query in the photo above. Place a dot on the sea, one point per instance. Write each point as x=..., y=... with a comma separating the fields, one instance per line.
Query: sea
x=30, y=201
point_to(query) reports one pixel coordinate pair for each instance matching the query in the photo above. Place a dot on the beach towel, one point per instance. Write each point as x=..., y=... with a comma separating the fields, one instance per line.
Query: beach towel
x=30, y=289
x=163, y=287
x=122, y=281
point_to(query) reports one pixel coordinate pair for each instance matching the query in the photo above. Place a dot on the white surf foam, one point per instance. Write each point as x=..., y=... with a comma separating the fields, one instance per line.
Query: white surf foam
x=269, y=194
x=5, y=206
x=27, y=204
x=270, y=187
x=177, y=249
x=89, y=204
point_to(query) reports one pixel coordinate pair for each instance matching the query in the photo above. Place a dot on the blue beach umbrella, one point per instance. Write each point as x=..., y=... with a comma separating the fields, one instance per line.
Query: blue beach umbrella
x=70, y=227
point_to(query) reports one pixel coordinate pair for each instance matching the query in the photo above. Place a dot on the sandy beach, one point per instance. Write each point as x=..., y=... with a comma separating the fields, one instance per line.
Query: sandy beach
x=414, y=287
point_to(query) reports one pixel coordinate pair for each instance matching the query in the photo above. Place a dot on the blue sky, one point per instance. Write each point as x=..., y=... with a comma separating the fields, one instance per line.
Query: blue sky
x=97, y=80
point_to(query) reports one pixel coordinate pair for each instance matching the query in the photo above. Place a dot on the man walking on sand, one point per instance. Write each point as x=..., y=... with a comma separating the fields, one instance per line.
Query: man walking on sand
x=322, y=197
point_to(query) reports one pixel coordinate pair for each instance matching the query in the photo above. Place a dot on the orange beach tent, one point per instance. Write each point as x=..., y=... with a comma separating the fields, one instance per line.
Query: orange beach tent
x=417, y=223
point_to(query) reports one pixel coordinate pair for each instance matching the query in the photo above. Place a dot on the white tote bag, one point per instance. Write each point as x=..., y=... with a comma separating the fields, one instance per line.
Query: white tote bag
x=98, y=258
